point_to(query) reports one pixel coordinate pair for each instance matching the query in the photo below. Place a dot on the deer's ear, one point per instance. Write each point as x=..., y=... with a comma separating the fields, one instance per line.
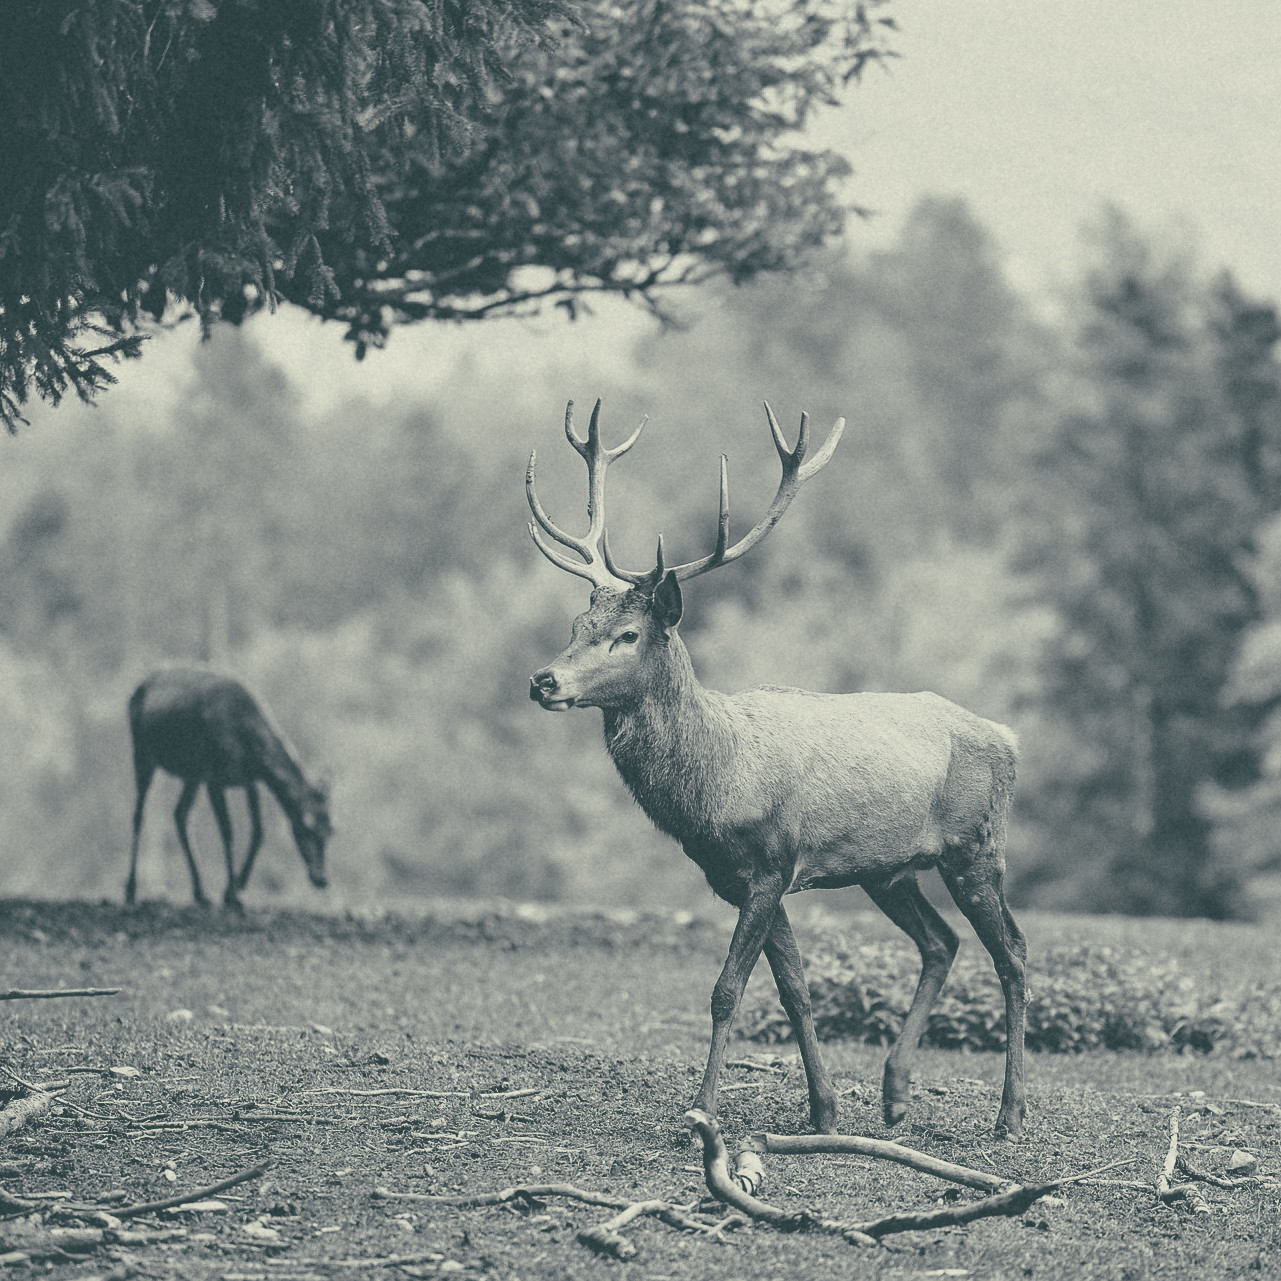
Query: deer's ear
x=667, y=606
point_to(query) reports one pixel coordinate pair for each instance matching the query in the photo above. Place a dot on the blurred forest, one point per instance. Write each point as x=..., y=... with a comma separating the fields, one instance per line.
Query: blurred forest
x=1065, y=520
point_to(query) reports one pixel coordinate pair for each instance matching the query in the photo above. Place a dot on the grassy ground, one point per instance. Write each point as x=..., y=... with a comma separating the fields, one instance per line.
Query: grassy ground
x=605, y=1020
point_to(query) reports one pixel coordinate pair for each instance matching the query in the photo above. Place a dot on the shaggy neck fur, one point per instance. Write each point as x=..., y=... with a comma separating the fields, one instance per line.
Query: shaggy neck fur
x=674, y=745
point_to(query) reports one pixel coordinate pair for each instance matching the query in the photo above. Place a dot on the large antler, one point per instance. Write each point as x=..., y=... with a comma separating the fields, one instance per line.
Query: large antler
x=795, y=473
x=599, y=566
x=595, y=566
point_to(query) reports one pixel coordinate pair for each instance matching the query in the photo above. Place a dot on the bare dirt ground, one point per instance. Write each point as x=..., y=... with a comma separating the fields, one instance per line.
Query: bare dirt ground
x=546, y=1048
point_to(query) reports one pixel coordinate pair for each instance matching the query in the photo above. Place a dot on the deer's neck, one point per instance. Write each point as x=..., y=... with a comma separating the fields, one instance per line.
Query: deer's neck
x=674, y=746
x=282, y=774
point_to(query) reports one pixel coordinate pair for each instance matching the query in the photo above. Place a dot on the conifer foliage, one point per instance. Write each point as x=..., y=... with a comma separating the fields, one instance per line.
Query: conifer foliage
x=383, y=161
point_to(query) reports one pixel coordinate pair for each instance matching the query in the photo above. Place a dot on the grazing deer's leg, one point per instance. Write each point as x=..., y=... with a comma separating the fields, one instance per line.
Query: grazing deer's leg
x=143, y=772
x=784, y=959
x=218, y=799
x=979, y=893
x=904, y=903
x=180, y=814
x=760, y=905
x=255, y=834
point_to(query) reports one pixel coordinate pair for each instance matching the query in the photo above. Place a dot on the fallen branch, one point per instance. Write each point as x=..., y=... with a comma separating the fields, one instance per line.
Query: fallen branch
x=1184, y=1166
x=606, y=1238
x=674, y=1216
x=805, y=1144
x=724, y=1187
x=199, y=1194
x=1167, y=1191
x=17, y=1112
x=523, y=1192
x=34, y=1241
x=28, y=994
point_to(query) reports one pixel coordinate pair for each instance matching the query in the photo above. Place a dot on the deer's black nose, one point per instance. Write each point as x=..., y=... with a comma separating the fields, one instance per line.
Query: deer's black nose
x=541, y=683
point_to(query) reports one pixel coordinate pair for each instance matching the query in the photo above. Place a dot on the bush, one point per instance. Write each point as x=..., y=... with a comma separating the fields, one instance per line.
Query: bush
x=1081, y=997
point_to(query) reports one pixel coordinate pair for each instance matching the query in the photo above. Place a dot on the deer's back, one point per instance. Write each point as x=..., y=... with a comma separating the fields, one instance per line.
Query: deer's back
x=199, y=725
x=858, y=785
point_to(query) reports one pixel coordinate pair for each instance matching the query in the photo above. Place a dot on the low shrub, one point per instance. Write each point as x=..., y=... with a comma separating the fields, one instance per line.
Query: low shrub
x=1081, y=997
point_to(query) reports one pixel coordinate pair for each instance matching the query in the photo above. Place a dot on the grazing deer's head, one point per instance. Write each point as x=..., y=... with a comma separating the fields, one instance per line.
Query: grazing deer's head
x=312, y=828
x=619, y=642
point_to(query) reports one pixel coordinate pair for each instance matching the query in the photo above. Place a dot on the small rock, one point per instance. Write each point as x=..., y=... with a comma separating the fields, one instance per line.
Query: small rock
x=1242, y=1163
x=451, y=1265
x=179, y=1016
x=260, y=1231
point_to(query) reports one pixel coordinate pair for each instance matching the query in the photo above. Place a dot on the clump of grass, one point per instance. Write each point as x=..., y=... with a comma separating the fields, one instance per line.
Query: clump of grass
x=1081, y=997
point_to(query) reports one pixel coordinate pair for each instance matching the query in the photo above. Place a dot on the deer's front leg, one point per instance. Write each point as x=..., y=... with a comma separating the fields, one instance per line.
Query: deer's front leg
x=755, y=919
x=784, y=959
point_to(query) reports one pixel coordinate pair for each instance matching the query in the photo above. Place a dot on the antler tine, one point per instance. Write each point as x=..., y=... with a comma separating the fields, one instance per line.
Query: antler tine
x=794, y=476
x=595, y=567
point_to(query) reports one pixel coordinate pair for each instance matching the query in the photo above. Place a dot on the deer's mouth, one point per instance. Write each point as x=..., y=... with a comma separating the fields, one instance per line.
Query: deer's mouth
x=556, y=704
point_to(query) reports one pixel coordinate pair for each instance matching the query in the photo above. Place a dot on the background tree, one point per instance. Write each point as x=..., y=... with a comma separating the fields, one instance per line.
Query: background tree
x=381, y=162
x=1156, y=481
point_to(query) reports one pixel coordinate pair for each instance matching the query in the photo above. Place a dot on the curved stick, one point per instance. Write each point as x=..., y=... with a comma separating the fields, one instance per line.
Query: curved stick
x=883, y=1149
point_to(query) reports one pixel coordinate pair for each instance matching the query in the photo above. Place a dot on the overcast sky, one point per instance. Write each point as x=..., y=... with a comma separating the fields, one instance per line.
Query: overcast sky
x=1038, y=113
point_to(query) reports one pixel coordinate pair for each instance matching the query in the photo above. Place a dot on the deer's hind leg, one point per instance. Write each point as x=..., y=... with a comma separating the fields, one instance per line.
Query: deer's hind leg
x=255, y=833
x=218, y=799
x=980, y=893
x=905, y=904
x=182, y=811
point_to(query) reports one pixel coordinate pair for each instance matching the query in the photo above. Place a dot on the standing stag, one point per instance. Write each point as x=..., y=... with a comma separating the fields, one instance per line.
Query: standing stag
x=772, y=791
x=205, y=728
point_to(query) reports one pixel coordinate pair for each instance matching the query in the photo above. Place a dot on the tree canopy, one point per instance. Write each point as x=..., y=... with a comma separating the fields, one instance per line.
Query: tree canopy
x=380, y=162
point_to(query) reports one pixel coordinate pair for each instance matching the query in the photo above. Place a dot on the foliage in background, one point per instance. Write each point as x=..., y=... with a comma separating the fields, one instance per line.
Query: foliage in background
x=1087, y=996
x=385, y=161
x=366, y=568
x=1166, y=461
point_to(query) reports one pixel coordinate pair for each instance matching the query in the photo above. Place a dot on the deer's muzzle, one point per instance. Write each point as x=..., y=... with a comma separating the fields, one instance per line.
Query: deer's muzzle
x=544, y=689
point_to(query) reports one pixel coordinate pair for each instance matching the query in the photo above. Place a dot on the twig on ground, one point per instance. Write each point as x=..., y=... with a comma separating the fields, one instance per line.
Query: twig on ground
x=197, y=1194
x=757, y=1067
x=1214, y=1180
x=804, y=1144
x=369, y=1094
x=1167, y=1191
x=1171, y=1156
x=601, y=1238
x=29, y=994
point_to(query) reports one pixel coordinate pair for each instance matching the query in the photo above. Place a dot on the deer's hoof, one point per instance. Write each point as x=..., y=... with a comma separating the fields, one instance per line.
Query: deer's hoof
x=1009, y=1125
x=823, y=1117
x=896, y=1091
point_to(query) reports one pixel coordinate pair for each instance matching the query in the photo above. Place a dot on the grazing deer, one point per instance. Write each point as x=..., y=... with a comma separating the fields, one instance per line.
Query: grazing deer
x=205, y=728
x=772, y=791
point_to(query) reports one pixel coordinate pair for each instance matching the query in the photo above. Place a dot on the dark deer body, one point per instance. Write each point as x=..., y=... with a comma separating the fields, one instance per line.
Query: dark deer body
x=207, y=729
x=772, y=791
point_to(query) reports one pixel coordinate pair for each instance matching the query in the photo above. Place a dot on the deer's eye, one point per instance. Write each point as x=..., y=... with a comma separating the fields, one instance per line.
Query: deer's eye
x=625, y=638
